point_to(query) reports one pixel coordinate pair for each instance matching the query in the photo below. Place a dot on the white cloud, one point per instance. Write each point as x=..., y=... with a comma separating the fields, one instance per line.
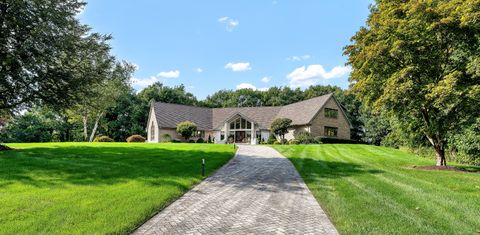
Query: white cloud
x=299, y=58
x=246, y=86
x=198, y=70
x=141, y=83
x=250, y=86
x=144, y=82
x=311, y=75
x=266, y=79
x=229, y=23
x=169, y=74
x=238, y=67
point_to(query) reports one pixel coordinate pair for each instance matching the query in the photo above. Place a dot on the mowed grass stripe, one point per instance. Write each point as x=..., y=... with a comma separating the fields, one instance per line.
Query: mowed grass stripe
x=438, y=203
x=374, y=190
x=96, y=188
x=369, y=185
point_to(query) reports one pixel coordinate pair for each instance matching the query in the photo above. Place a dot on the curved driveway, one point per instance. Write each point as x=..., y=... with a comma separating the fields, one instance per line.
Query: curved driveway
x=257, y=192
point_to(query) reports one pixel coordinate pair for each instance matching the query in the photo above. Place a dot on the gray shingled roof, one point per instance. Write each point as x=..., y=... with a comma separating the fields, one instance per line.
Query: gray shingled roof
x=169, y=115
x=301, y=113
x=304, y=111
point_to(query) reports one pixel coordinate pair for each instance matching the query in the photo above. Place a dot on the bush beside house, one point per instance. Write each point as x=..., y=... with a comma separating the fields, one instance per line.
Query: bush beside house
x=136, y=138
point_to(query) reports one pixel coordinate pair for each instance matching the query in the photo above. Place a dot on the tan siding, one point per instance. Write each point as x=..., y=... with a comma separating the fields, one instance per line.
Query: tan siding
x=320, y=121
x=295, y=130
x=172, y=132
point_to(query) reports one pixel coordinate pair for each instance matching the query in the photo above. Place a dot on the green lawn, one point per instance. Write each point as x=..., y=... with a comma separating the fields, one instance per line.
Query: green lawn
x=374, y=190
x=84, y=188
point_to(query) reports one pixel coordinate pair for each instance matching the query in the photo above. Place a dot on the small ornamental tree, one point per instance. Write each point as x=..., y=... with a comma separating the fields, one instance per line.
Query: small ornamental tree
x=280, y=126
x=186, y=129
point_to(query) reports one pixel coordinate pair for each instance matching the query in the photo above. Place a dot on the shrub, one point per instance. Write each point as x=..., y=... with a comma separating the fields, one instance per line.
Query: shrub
x=209, y=139
x=318, y=139
x=186, y=129
x=136, y=138
x=466, y=145
x=191, y=141
x=336, y=141
x=200, y=141
x=103, y=138
x=305, y=138
x=293, y=142
x=176, y=141
x=276, y=142
x=271, y=139
x=165, y=138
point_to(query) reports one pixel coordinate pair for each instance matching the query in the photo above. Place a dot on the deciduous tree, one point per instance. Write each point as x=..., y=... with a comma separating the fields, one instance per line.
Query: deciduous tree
x=46, y=55
x=280, y=127
x=419, y=62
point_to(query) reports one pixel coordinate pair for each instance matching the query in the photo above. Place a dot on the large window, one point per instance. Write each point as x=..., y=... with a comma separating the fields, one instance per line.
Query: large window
x=331, y=113
x=152, y=131
x=331, y=131
x=240, y=124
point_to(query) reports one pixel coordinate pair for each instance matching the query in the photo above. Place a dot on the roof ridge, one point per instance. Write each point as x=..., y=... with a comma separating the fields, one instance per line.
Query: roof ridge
x=273, y=106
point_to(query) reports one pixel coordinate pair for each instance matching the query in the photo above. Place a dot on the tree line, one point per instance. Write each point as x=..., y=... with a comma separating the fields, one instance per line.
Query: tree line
x=415, y=79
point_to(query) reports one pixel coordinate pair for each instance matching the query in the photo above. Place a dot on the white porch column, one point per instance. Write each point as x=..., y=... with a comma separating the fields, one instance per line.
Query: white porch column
x=225, y=128
x=253, y=139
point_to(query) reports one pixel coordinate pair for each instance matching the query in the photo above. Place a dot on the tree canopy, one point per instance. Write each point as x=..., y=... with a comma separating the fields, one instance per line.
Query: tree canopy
x=47, y=56
x=419, y=62
x=280, y=127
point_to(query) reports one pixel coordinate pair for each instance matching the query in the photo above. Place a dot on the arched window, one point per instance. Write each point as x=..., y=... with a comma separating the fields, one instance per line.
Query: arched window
x=240, y=124
x=152, y=131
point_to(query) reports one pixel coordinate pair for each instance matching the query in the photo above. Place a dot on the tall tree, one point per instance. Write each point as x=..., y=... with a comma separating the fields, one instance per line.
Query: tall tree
x=419, y=62
x=101, y=96
x=46, y=55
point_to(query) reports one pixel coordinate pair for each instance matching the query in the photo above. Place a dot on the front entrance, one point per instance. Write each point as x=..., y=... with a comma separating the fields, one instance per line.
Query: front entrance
x=239, y=136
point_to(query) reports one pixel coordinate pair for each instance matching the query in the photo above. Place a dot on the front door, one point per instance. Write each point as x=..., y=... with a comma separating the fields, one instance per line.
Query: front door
x=239, y=136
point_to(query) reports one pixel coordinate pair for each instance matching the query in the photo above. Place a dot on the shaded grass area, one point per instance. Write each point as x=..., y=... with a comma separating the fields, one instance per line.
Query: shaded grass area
x=374, y=190
x=85, y=188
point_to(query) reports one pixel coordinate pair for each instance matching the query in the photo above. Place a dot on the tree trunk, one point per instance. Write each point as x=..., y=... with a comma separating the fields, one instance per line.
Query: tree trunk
x=85, y=128
x=440, y=152
x=95, y=126
x=438, y=145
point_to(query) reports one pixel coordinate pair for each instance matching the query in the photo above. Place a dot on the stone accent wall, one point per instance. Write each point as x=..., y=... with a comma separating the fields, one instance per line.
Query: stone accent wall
x=320, y=121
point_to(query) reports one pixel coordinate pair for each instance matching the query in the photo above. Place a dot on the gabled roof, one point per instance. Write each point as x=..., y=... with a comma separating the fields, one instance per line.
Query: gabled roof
x=169, y=115
x=301, y=113
x=262, y=116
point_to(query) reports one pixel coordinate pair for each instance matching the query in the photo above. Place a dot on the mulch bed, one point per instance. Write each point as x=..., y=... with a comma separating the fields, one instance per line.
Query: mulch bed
x=4, y=148
x=440, y=168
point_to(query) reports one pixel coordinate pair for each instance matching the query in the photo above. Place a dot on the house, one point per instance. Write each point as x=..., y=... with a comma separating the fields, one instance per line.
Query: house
x=320, y=116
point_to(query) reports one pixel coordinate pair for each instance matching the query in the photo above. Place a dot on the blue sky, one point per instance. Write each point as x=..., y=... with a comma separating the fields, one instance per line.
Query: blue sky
x=214, y=45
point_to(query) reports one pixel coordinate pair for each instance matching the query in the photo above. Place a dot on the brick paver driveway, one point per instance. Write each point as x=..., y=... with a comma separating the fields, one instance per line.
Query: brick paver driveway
x=258, y=192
